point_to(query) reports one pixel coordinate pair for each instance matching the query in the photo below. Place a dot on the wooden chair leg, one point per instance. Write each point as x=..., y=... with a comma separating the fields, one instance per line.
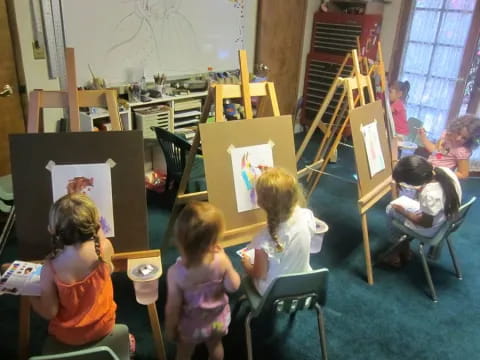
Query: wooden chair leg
x=24, y=330
x=157, y=331
x=321, y=330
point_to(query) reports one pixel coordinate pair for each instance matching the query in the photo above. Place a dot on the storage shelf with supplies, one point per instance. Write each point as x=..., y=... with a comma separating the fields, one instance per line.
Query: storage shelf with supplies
x=157, y=115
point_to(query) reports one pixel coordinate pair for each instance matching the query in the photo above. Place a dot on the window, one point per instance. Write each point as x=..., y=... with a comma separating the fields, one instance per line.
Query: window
x=433, y=54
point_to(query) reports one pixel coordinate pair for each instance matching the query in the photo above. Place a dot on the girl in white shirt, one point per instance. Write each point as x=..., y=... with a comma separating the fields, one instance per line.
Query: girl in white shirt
x=439, y=197
x=284, y=246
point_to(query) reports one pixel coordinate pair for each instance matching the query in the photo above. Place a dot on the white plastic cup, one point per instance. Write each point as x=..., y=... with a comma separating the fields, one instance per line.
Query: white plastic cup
x=317, y=239
x=145, y=282
x=146, y=292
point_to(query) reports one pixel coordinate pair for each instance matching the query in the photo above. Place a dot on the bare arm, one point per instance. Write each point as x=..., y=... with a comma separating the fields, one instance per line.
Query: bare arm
x=107, y=249
x=174, y=305
x=231, y=280
x=430, y=146
x=259, y=268
x=46, y=305
x=421, y=219
x=463, y=169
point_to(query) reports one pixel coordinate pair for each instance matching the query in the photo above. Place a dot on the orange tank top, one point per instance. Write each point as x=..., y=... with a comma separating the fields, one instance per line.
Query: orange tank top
x=86, y=308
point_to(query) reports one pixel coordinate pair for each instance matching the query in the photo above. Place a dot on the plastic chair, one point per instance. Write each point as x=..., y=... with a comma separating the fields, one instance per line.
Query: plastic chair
x=95, y=353
x=176, y=151
x=443, y=235
x=6, y=197
x=413, y=125
x=117, y=343
x=289, y=293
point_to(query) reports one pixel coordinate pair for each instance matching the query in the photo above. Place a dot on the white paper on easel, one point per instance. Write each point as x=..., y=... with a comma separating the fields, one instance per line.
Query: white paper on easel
x=376, y=162
x=248, y=163
x=93, y=180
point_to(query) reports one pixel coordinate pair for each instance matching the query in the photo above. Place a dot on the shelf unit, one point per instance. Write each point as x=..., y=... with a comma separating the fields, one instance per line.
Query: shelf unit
x=155, y=115
x=101, y=121
x=185, y=111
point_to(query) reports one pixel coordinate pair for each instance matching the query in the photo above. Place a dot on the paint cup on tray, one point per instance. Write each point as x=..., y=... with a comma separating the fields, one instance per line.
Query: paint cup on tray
x=317, y=239
x=145, y=274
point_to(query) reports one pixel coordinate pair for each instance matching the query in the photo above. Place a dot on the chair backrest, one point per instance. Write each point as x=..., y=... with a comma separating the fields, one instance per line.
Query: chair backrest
x=462, y=214
x=93, y=353
x=413, y=125
x=175, y=150
x=289, y=293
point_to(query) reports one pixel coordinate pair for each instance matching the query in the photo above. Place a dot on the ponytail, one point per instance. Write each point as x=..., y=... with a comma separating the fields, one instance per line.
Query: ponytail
x=452, y=201
x=404, y=87
x=273, y=221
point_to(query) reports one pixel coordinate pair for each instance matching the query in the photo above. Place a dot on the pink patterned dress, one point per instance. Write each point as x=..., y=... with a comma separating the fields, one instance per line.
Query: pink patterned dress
x=205, y=311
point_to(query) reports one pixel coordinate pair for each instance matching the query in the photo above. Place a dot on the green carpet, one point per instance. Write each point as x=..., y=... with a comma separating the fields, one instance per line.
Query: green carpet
x=393, y=319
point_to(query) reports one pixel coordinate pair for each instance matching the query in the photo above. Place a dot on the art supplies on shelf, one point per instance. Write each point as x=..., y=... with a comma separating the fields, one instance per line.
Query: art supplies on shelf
x=21, y=278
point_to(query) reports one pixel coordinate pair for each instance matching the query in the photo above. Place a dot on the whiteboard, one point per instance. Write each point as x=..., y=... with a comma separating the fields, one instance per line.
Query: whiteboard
x=123, y=40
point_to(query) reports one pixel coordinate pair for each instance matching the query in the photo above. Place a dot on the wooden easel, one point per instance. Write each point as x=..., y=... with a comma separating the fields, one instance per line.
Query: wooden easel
x=217, y=93
x=358, y=82
x=73, y=99
x=327, y=149
x=120, y=265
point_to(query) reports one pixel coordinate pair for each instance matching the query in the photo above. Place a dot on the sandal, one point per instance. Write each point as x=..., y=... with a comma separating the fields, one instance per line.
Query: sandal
x=393, y=260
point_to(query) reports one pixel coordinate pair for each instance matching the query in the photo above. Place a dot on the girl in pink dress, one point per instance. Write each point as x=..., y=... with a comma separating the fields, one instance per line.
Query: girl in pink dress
x=197, y=309
x=398, y=94
x=455, y=146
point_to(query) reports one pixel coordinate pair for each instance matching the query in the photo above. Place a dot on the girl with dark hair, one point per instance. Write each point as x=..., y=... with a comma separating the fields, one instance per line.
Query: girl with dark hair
x=77, y=290
x=398, y=94
x=439, y=197
x=283, y=247
x=455, y=146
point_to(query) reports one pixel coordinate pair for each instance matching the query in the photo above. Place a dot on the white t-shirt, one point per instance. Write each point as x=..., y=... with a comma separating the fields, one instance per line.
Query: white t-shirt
x=295, y=235
x=432, y=200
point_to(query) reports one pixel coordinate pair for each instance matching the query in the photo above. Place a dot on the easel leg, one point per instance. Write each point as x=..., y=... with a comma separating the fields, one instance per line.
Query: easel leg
x=24, y=329
x=156, y=331
x=366, y=249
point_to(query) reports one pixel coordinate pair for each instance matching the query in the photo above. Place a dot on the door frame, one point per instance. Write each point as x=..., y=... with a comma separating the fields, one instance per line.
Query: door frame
x=468, y=56
x=302, y=41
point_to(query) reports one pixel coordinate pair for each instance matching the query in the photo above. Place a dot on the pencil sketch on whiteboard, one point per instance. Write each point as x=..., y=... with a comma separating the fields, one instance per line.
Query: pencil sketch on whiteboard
x=146, y=37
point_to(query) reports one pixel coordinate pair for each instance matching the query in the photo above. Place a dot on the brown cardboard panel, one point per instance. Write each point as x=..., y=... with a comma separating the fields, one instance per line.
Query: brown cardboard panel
x=218, y=137
x=359, y=117
x=32, y=185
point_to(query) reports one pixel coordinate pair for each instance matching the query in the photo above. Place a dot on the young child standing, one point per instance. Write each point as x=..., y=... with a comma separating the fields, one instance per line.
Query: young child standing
x=284, y=246
x=455, y=146
x=398, y=94
x=77, y=291
x=197, y=309
x=439, y=197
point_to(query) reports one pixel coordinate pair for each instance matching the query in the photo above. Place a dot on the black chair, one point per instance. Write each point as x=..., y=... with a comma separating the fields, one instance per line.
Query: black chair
x=442, y=236
x=176, y=150
x=289, y=293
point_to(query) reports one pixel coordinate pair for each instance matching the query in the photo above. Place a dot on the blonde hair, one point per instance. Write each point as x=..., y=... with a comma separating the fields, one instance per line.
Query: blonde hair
x=199, y=226
x=278, y=193
x=74, y=219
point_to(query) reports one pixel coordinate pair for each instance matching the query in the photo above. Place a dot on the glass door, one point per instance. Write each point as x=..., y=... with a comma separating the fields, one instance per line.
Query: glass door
x=435, y=48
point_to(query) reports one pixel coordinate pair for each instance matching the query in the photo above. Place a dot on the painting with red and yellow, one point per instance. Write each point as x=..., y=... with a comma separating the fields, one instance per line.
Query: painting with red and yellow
x=93, y=180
